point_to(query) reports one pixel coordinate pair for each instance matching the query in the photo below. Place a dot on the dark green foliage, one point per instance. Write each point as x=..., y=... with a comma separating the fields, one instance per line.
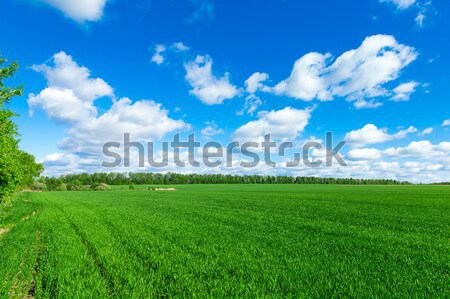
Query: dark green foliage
x=17, y=168
x=149, y=178
x=229, y=241
x=74, y=185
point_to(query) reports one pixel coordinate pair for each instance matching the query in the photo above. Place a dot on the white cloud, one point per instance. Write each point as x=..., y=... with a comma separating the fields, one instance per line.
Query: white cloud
x=65, y=73
x=420, y=18
x=252, y=103
x=62, y=105
x=420, y=149
x=71, y=91
x=253, y=83
x=356, y=74
x=370, y=134
x=364, y=154
x=179, y=46
x=424, y=8
x=206, y=87
x=401, y=4
x=70, y=98
x=79, y=10
x=446, y=123
x=282, y=124
x=404, y=91
x=144, y=120
x=426, y=132
x=158, y=57
x=362, y=104
x=161, y=51
x=211, y=130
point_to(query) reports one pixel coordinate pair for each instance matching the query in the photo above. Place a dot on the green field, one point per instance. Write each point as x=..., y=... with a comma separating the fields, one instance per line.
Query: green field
x=240, y=241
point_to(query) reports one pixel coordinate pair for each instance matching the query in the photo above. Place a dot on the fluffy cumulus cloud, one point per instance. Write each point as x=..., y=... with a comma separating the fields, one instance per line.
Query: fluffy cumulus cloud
x=404, y=91
x=70, y=98
x=158, y=57
x=364, y=154
x=254, y=82
x=285, y=124
x=79, y=10
x=144, y=120
x=71, y=92
x=371, y=134
x=65, y=73
x=417, y=162
x=208, y=88
x=357, y=74
x=420, y=149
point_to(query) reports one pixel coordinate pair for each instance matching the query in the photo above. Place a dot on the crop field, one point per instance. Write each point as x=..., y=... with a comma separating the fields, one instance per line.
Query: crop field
x=240, y=241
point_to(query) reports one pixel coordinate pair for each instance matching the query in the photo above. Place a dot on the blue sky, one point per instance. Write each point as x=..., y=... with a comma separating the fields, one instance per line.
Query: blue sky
x=373, y=72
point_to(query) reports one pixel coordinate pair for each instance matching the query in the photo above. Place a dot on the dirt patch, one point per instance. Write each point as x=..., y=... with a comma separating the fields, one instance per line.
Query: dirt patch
x=3, y=231
x=164, y=189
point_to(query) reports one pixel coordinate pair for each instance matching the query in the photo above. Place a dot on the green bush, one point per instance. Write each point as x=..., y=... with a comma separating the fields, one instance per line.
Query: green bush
x=62, y=187
x=101, y=187
x=74, y=186
x=38, y=186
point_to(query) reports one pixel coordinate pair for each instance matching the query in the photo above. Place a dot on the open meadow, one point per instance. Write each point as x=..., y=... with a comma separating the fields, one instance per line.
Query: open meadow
x=241, y=241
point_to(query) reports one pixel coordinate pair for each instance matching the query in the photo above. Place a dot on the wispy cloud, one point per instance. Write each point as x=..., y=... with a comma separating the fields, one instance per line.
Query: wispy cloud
x=204, y=11
x=208, y=88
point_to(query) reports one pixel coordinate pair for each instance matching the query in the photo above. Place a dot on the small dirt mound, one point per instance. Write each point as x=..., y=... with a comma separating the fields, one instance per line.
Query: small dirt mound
x=163, y=189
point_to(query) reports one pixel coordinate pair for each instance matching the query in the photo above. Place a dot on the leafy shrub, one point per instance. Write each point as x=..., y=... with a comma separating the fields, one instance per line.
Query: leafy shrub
x=62, y=187
x=102, y=187
x=131, y=186
x=38, y=186
x=74, y=186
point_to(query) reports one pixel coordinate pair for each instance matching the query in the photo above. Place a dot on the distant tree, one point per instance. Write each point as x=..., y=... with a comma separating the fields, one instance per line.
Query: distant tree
x=149, y=178
x=17, y=168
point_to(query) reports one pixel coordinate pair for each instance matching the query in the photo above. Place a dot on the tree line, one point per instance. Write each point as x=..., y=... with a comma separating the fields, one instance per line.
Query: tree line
x=18, y=169
x=75, y=181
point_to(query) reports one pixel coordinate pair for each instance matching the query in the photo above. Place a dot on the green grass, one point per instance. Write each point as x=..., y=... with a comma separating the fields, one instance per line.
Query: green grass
x=240, y=241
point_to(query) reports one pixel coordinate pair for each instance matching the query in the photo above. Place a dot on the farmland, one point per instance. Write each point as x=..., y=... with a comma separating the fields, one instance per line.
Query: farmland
x=298, y=241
